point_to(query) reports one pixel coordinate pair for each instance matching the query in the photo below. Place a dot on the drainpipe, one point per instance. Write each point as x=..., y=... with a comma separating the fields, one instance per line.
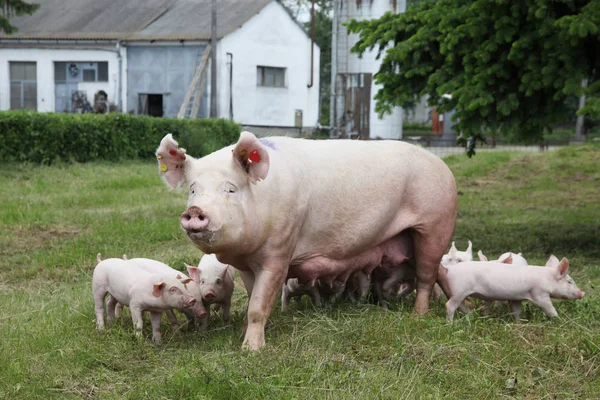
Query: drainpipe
x=312, y=44
x=230, y=86
x=120, y=78
x=334, y=48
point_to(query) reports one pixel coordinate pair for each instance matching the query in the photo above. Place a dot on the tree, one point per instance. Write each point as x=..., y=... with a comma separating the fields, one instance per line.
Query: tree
x=9, y=8
x=509, y=66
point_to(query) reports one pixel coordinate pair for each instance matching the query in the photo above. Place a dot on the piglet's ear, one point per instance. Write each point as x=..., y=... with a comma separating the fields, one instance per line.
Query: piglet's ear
x=251, y=156
x=452, y=251
x=194, y=272
x=507, y=260
x=482, y=257
x=470, y=249
x=552, y=261
x=562, y=268
x=157, y=288
x=171, y=161
x=186, y=281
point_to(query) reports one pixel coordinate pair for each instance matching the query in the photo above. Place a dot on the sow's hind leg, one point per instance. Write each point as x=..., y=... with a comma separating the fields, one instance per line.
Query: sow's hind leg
x=430, y=245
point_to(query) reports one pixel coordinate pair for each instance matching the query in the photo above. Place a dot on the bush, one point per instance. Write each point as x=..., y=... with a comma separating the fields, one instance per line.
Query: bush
x=46, y=137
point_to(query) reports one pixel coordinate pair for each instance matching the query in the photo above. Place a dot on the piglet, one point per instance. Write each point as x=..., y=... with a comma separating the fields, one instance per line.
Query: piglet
x=293, y=289
x=357, y=286
x=215, y=284
x=140, y=290
x=513, y=283
x=454, y=256
x=158, y=267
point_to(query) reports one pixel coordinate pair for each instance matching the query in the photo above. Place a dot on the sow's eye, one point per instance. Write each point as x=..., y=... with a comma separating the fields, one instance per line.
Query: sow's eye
x=229, y=188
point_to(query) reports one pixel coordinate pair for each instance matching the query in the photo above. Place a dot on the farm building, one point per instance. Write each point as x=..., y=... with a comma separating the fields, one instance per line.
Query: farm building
x=141, y=56
x=352, y=78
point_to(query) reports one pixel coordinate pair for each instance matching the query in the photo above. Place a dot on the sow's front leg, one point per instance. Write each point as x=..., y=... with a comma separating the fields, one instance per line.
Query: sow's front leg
x=268, y=280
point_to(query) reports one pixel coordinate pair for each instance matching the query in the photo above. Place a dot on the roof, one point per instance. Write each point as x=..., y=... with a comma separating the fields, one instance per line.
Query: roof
x=132, y=19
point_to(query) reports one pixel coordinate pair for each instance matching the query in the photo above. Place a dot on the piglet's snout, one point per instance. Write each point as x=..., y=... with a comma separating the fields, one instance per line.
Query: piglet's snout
x=189, y=301
x=194, y=219
x=581, y=294
x=209, y=296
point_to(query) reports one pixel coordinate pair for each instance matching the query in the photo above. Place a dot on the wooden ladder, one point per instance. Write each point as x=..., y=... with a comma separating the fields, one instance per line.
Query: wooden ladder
x=191, y=103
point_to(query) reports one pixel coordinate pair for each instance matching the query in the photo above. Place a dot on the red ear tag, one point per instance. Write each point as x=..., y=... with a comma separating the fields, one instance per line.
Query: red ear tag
x=172, y=152
x=254, y=156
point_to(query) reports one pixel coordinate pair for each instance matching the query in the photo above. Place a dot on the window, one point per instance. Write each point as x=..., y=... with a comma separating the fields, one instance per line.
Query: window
x=23, y=86
x=81, y=71
x=89, y=75
x=270, y=76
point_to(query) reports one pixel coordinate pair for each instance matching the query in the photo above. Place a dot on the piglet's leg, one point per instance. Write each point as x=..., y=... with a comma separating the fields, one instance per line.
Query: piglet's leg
x=155, y=318
x=172, y=319
x=118, y=310
x=315, y=296
x=285, y=298
x=266, y=286
x=545, y=304
x=136, y=318
x=515, y=307
x=203, y=323
x=110, y=309
x=225, y=313
x=453, y=303
x=99, y=294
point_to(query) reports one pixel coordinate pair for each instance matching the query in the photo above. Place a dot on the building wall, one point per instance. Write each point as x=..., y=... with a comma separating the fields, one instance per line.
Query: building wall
x=45, y=56
x=163, y=68
x=261, y=42
x=390, y=126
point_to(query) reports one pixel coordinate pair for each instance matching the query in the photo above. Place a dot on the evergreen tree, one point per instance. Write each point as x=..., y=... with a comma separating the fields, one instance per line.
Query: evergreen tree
x=10, y=8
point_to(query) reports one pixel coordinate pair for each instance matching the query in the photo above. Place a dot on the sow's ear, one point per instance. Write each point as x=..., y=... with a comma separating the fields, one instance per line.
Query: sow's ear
x=250, y=155
x=171, y=161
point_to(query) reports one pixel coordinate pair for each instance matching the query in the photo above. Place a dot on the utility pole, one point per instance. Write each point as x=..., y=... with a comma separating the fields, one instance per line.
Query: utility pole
x=213, y=60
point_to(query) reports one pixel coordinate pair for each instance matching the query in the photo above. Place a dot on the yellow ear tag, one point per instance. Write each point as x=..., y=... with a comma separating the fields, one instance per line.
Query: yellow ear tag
x=243, y=153
x=159, y=156
x=163, y=167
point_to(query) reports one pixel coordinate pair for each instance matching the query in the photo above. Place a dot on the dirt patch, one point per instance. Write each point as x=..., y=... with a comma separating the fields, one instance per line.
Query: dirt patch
x=36, y=237
x=579, y=176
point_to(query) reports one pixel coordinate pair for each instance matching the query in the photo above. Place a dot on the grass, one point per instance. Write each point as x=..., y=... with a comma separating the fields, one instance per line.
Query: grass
x=54, y=220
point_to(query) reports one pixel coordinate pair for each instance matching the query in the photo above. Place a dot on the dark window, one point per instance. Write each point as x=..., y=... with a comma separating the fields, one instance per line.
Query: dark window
x=103, y=71
x=60, y=72
x=89, y=75
x=23, y=85
x=270, y=76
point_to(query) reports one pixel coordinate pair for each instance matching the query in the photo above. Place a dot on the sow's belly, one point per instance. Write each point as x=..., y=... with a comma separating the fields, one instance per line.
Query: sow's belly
x=392, y=252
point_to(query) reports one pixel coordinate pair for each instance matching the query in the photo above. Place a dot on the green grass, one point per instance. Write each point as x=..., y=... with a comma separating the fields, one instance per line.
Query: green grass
x=53, y=221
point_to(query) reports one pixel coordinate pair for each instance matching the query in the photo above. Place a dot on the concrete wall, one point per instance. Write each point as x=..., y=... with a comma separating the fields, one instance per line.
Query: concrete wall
x=45, y=56
x=270, y=38
x=390, y=126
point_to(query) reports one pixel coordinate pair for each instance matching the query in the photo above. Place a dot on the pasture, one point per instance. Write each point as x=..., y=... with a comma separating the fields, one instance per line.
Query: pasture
x=54, y=220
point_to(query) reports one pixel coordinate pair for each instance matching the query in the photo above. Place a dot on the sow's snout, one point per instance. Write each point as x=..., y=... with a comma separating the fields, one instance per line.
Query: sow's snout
x=194, y=220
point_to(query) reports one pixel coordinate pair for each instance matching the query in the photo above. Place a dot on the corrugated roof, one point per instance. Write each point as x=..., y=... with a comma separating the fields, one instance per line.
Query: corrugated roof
x=133, y=19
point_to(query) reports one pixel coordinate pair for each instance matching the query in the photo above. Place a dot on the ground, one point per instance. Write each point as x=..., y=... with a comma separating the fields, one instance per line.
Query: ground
x=54, y=220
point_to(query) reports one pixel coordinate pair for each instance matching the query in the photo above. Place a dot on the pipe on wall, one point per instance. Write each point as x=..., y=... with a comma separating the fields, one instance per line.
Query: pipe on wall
x=312, y=44
x=230, y=85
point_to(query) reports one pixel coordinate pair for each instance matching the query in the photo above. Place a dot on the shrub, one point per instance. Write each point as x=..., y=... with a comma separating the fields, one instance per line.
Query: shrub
x=46, y=137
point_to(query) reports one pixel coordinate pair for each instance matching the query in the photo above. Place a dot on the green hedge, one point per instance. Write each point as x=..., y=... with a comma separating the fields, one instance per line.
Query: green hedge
x=47, y=137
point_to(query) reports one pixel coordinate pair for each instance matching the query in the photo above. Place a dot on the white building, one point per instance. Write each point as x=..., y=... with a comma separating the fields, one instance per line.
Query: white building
x=352, y=86
x=143, y=54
